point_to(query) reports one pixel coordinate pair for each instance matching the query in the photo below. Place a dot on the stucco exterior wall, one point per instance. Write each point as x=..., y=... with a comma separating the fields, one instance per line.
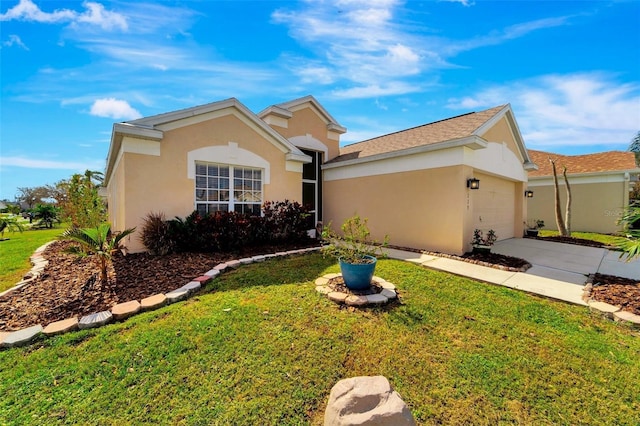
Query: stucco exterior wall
x=501, y=133
x=418, y=209
x=306, y=121
x=160, y=183
x=596, y=206
x=498, y=205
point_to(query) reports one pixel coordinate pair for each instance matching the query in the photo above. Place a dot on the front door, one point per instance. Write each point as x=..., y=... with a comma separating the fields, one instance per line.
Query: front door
x=312, y=184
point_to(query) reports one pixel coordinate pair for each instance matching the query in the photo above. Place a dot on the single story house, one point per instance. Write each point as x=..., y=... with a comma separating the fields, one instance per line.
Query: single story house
x=600, y=187
x=418, y=185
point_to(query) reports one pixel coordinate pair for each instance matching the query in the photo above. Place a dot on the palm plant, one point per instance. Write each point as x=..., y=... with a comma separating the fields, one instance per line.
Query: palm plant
x=631, y=247
x=11, y=224
x=97, y=241
x=47, y=214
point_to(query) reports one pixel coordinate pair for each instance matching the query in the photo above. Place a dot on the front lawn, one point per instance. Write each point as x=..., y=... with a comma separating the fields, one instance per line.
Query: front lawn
x=610, y=240
x=260, y=346
x=15, y=253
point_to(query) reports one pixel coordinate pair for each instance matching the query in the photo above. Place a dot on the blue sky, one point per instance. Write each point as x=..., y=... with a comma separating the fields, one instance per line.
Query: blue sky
x=69, y=70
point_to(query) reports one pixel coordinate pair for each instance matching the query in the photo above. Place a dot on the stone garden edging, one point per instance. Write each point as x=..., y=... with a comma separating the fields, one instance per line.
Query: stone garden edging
x=39, y=263
x=124, y=310
x=606, y=310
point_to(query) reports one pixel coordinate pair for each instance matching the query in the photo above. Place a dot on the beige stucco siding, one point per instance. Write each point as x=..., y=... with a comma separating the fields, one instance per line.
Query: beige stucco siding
x=161, y=183
x=307, y=122
x=596, y=207
x=419, y=209
x=501, y=133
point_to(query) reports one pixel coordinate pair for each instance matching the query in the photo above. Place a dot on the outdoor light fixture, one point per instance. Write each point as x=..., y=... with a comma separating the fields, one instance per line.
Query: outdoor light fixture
x=473, y=183
x=528, y=194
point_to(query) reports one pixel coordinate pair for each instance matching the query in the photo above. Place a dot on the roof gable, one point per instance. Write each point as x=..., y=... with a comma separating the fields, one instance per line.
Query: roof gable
x=153, y=128
x=286, y=110
x=601, y=162
x=466, y=129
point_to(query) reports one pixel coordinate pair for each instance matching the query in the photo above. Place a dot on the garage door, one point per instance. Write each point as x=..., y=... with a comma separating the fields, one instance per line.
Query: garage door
x=494, y=206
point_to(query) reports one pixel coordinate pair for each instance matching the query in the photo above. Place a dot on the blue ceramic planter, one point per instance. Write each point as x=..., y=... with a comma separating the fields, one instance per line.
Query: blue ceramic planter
x=358, y=276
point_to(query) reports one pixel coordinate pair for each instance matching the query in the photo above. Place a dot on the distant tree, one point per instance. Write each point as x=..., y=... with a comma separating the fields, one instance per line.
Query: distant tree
x=79, y=200
x=634, y=147
x=32, y=196
x=47, y=214
x=564, y=225
x=96, y=241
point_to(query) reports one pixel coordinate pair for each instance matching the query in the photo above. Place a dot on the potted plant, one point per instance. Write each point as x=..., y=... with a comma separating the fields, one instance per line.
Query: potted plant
x=533, y=226
x=482, y=244
x=356, y=252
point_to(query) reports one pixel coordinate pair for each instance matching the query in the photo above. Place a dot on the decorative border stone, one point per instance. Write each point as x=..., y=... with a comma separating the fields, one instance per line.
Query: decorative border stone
x=388, y=292
x=21, y=337
x=608, y=311
x=60, y=327
x=153, y=302
x=95, y=320
x=177, y=295
x=124, y=310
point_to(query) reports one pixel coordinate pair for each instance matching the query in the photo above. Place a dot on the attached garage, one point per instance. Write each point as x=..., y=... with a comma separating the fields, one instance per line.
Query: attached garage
x=412, y=185
x=494, y=206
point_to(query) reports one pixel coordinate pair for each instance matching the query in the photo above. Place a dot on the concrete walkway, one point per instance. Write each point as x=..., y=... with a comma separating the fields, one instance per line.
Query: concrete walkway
x=558, y=271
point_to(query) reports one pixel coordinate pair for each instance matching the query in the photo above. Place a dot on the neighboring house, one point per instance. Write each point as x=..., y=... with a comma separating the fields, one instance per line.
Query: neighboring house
x=412, y=185
x=600, y=185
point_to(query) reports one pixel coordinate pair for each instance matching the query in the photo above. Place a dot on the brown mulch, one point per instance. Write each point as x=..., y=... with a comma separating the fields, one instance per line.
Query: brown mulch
x=498, y=259
x=617, y=291
x=572, y=240
x=70, y=286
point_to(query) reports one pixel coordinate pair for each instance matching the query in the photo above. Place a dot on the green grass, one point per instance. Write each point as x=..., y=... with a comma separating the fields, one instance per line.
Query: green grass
x=260, y=346
x=611, y=240
x=15, y=253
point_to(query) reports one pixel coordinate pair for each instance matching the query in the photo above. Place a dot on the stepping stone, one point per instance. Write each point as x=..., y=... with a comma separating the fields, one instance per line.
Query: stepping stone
x=203, y=279
x=246, y=260
x=177, y=295
x=376, y=299
x=153, y=302
x=354, y=300
x=259, y=258
x=60, y=327
x=322, y=281
x=389, y=294
x=212, y=273
x=337, y=296
x=627, y=317
x=221, y=267
x=21, y=337
x=191, y=287
x=95, y=320
x=323, y=289
x=603, y=308
x=233, y=264
x=126, y=309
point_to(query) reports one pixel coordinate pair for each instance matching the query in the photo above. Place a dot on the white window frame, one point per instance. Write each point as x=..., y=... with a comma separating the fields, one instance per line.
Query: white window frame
x=233, y=201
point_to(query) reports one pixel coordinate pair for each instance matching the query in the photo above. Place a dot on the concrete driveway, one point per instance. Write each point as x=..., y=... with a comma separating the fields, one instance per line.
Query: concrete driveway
x=567, y=262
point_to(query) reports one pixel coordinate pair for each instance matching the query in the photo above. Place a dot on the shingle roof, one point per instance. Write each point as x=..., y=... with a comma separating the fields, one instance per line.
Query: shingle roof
x=428, y=134
x=577, y=164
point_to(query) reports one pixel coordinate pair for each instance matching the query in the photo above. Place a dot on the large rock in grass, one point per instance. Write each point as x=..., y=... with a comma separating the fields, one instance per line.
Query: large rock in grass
x=366, y=401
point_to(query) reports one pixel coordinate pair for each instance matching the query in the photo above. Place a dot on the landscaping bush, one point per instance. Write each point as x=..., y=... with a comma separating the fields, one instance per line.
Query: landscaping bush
x=156, y=234
x=282, y=222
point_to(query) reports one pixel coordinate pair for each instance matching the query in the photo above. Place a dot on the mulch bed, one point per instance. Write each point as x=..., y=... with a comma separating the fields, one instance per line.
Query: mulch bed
x=70, y=286
x=571, y=240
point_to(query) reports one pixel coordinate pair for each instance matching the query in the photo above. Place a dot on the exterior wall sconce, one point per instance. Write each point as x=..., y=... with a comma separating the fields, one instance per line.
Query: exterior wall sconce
x=473, y=183
x=528, y=194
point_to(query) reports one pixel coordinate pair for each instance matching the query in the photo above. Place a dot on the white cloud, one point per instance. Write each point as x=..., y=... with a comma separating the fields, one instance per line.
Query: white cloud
x=465, y=3
x=95, y=14
x=15, y=40
x=32, y=163
x=375, y=90
x=114, y=108
x=574, y=109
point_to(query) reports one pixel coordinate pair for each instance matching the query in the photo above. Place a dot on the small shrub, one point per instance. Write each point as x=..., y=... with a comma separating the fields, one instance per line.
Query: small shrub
x=156, y=235
x=480, y=240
